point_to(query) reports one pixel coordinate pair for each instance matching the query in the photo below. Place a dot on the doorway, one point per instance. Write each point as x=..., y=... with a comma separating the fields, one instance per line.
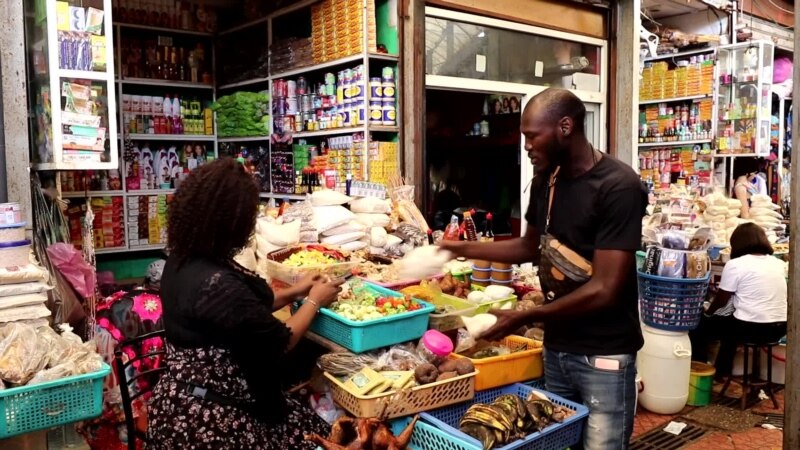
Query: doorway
x=472, y=155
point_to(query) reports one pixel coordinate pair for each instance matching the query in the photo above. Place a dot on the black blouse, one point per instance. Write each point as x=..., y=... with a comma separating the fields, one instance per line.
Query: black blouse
x=212, y=304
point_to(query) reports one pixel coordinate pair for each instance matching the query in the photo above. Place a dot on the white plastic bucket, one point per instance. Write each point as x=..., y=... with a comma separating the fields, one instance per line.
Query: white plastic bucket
x=664, y=363
x=778, y=364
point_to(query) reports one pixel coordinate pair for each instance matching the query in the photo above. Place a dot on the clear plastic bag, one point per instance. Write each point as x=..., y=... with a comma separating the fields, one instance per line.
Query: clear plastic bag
x=21, y=355
x=64, y=370
x=464, y=341
x=398, y=358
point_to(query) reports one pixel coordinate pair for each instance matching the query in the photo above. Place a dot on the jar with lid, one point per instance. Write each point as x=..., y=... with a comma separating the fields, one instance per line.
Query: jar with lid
x=434, y=347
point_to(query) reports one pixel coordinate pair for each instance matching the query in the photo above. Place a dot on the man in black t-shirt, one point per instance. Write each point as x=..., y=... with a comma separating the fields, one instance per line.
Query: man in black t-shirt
x=592, y=332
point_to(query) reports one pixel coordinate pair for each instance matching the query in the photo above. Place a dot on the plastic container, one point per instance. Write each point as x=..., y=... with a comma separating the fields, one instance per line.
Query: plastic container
x=778, y=364
x=427, y=437
x=516, y=367
x=671, y=304
x=481, y=274
x=480, y=264
x=641, y=257
x=701, y=384
x=478, y=283
x=503, y=275
x=664, y=362
x=463, y=275
x=15, y=253
x=501, y=266
x=46, y=405
x=10, y=213
x=503, y=303
x=554, y=437
x=434, y=347
x=404, y=402
x=359, y=337
x=451, y=320
x=500, y=282
x=14, y=232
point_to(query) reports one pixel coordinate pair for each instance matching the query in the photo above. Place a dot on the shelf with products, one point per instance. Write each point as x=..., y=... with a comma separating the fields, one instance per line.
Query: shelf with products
x=170, y=137
x=678, y=78
x=156, y=114
x=85, y=194
x=72, y=91
x=163, y=59
x=675, y=99
x=691, y=164
x=166, y=16
x=245, y=83
x=676, y=123
x=165, y=83
x=675, y=143
x=744, y=98
x=243, y=139
x=680, y=55
x=108, y=225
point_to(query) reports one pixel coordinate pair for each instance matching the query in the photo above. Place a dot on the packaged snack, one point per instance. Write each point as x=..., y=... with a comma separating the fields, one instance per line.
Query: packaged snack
x=652, y=260
x=364, y=381
x=672, y=263
x=697, y=265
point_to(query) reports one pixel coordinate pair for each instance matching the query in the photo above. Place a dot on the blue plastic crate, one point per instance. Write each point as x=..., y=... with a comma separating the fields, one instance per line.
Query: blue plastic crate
x=672, y=304
x=29, y=408
x=536, y=384
x=554, y=437
x=428, y=437
x=359, y=337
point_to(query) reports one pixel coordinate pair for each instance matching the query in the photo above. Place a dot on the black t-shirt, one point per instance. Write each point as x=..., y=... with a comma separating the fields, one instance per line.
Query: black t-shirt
x=601, y=209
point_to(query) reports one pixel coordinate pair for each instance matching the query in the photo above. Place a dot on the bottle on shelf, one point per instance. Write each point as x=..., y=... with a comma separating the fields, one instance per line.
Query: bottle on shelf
x=452, y=230
x=488, y=233
x=470, y=231
x=167, y=115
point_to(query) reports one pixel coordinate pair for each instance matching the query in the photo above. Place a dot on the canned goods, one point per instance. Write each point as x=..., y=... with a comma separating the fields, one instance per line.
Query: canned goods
x=387, y=74
x=330, y=89
x=360, y=112
x=317, y=102
x=347, y=116
x=291, y=105
x=302, y=86
x=389, y=114
x=330, y=78
x=375, y=88
x=306, y=103
x=277, y=125
x=388, y=89
x=288, y=123
x=279, y=105
x=375, y=113
x=279, y=88
x=298, y=124
x=291, y=88
x=357, y=91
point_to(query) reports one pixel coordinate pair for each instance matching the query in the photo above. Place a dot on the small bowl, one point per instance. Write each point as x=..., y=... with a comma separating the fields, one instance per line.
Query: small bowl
x=501, y=266
x=502, y=275
x=480, y=264
x=481, y=274
x=481, y=283
x=500, y=282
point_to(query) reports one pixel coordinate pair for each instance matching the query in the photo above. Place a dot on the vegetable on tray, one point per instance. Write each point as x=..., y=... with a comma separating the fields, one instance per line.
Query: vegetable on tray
x=314, y=255
x=371, y=306
x=509, y=418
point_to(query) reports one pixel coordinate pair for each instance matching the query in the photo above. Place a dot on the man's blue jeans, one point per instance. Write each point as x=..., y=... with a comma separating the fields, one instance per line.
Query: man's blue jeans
x=610, y=395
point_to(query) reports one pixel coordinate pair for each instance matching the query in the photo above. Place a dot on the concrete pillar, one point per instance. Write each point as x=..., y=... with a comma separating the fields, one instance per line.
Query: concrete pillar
x=15, y=105
x=626, y=81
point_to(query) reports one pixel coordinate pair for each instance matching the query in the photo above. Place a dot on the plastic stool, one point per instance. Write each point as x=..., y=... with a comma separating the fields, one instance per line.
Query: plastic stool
x=746, y=381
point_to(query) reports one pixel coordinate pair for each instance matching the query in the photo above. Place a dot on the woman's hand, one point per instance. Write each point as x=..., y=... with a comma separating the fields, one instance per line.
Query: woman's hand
x=324, y=293
x=303, y=287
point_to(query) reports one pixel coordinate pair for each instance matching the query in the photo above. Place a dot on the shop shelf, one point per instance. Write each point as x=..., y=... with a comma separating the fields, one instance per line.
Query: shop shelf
x=328, y=132
x=675, y=99
x=84, y=75
x=165, y=83
x=84, y=194
x=152, y=192
x=109, y=250
x=244, y=26
x=171, y=137
x=244, y=83
x=675, y=144
x=325, y=65
x=244, y=139
x=680, y=54
x=142, y=248
x=162, y=30
x=735, y=155
x=384, y=57
x=384, y=128
x=279, y=196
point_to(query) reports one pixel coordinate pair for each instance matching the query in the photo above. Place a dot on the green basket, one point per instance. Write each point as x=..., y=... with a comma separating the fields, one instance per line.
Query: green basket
x=45, y=405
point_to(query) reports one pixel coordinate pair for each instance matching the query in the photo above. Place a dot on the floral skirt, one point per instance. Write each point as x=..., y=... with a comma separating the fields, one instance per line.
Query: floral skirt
x=177, y=420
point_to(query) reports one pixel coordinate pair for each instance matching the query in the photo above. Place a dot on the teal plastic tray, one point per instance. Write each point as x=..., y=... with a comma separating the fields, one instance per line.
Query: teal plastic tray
x=45, y=405
x=359, y=337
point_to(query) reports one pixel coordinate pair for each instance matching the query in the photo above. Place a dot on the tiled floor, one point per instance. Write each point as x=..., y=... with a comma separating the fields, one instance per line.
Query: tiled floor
x=755, y=438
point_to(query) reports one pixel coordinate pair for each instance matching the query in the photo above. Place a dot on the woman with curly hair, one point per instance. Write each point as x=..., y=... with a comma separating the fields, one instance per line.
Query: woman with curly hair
x=224, y=347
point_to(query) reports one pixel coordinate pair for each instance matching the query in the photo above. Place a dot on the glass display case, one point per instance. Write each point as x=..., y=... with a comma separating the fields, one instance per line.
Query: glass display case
x=744, y=98
x=72, y=92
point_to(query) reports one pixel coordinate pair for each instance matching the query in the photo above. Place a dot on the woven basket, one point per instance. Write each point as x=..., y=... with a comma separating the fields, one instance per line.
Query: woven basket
x=405, y=402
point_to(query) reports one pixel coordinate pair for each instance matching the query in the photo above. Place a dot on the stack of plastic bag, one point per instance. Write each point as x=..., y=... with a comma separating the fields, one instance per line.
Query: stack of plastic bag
x=766, y=215
x=374, y=215
x=32, y=355
x=722, y=215
x=23, y=294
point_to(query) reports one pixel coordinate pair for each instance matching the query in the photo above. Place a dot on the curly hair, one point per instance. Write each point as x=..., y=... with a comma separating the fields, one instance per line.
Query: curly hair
x=213, y=213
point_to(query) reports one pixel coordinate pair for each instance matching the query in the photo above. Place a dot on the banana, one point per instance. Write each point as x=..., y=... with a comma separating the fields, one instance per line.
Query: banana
x=483, y=434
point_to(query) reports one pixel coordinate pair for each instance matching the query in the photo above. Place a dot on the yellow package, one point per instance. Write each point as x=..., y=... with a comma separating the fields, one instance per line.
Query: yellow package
x=398, y=378
x=363, y=381
x=386, y=385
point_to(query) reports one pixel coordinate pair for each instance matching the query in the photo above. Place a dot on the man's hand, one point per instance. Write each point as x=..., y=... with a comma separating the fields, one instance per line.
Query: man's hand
x=454, y=247
x=508, y=321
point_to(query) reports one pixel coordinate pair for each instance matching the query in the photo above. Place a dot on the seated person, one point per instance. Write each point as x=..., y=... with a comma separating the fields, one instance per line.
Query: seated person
x=753, y=290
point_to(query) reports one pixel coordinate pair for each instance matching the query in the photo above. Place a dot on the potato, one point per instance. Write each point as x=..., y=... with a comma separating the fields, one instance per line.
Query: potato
x=425, y=373
x=464, y=366
x=448, y=366
x=446, y=376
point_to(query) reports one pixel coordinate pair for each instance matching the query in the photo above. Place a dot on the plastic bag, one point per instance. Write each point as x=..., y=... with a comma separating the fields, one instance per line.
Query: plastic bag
x=323, y=405
x=69, y=261
x=398, y=358
x=64, y=370
x=21, y=356
x=464, y=341
x=58, y=349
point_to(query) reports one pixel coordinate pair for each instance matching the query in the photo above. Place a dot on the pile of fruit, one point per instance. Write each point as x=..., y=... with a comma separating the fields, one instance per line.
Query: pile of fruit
x=314, y=255
x=509, y=418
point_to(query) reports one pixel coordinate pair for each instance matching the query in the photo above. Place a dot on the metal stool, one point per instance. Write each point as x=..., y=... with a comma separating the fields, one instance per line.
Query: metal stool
x=746, y=381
